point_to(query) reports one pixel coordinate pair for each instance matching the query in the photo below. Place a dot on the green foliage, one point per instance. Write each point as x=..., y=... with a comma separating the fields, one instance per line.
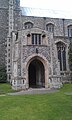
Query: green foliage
x=5, y=88
x=3, y=75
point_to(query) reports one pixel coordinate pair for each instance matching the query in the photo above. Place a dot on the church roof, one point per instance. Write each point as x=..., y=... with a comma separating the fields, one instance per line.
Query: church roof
x=26, y=11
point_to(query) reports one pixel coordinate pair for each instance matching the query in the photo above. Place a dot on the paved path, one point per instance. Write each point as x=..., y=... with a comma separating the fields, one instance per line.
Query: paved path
x=68, y=93
x=35, y=91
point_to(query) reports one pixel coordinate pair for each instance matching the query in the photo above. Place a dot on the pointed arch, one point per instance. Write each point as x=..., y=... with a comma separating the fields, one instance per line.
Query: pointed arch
x=61, y=42
x=50, y=27
x=28, y=25
x=61, y=51
x=43, y=61
x=70, y=31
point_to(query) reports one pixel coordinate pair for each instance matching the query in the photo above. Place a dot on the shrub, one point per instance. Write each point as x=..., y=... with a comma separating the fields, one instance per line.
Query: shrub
x=3, y=75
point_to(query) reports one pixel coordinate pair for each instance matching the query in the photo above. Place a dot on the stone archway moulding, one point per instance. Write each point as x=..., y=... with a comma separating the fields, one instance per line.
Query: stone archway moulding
x=57, y=41
x=45, y=63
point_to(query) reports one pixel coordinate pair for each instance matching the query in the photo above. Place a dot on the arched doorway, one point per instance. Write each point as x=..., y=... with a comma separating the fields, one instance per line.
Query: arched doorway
x=36, y=74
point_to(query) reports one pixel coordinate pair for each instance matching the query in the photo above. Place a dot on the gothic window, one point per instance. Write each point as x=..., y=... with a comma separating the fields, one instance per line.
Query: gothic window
x=61, y=48
x=36, y=39
x=28, y=25
x=50, y=27
x=70, y=31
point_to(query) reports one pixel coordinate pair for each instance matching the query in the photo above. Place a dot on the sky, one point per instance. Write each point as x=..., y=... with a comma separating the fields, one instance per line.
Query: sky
x=64, y=6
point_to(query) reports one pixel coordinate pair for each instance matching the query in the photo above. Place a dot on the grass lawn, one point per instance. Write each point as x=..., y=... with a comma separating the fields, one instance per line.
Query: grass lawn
x=51, y=106
x=5, y=88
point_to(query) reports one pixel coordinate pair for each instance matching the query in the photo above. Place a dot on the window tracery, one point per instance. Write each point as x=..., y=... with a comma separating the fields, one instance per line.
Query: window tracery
x=50, y=27
x=61, y=49
x=28, y=25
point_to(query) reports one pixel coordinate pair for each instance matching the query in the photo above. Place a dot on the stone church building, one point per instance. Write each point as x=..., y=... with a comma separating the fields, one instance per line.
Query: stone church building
x=34, y=49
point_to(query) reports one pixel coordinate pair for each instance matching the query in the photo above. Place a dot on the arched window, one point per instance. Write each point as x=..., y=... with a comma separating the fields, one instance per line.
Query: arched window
x=61, y=49
x=28, y=25
x=50, y=27
x=70, y=31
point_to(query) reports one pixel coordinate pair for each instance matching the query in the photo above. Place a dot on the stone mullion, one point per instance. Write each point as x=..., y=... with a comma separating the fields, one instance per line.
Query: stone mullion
x=62, y=57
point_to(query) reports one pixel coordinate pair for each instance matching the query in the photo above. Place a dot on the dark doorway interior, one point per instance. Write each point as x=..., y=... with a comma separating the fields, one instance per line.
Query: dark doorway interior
x=32, y=75
x=36, y=74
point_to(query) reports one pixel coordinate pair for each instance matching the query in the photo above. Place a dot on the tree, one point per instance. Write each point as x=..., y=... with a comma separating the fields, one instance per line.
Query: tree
x=3, y=75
